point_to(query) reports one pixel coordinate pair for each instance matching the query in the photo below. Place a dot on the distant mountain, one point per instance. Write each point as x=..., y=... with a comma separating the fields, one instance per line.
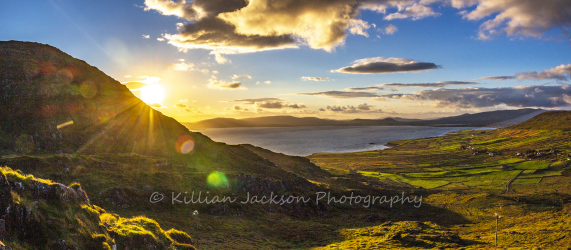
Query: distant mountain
x=500, y=118
x=550, y=120
x=483, y=119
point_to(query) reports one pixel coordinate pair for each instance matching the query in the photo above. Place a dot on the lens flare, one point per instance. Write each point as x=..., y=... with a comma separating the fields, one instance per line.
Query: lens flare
x=65, y=124
x=217, y=179
x=88, y=89
x=184, y=144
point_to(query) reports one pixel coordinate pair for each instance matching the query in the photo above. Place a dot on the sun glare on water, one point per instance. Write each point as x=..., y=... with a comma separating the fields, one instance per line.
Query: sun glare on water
x=153, y=93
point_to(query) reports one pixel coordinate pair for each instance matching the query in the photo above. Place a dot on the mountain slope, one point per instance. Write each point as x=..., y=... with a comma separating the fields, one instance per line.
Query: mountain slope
x=551, y=120
x=51, y=102
x=481, y=119
x=55, y=103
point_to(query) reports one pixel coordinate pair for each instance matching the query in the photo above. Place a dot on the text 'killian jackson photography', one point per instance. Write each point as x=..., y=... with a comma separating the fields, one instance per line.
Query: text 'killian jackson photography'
x=319, y=198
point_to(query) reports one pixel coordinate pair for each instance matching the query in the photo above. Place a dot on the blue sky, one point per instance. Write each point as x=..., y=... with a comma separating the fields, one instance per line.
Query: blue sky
x=434, y=50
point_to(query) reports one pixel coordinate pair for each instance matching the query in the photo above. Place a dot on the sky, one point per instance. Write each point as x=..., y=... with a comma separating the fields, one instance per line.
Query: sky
x=334, y=59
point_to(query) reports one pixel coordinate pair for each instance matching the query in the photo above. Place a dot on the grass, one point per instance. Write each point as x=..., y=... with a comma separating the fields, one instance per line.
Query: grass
x=462, y=188
x=539, y=189
x=38, y=220
x=532, y=165
x=424, y=183
x=399, y=235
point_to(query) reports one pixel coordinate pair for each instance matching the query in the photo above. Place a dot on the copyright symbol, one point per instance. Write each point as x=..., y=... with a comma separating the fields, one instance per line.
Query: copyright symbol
x=156, y=197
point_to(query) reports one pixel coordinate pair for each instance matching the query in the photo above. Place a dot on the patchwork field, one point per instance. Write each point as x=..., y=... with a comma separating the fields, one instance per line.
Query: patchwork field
x=523, y=175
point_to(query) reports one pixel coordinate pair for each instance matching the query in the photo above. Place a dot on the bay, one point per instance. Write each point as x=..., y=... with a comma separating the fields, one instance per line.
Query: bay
x=304, y=141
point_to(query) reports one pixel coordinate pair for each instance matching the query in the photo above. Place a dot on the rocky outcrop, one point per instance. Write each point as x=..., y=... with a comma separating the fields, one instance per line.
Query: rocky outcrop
x=40, y=214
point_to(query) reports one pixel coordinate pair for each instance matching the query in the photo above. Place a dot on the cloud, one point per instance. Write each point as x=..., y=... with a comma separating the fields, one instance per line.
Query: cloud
x=254, y=100
x=206, y=30
x=414, y=12
x=317, y=79
x=359, y=27
x=361, y=108
x=561, y=72
x=428, y=85
x=496, y=78
x=234, y=77
x=342, y=94
x=269, y=103
x=318, y=23
x=182, y=66
x=218, y=84
x=183, y=107
x=278, y=105
x=146, y=36
x=381, y=65
x=371, y=88
x=521, y=96
x=221, y=59
x=149, y=79
x=160, y=39
x=133, y=86
x=268, y=82
x=156, y=105
x=141, y=81
x=390, y=29
x=238, y=108
x=238, y=26
x=517, y=18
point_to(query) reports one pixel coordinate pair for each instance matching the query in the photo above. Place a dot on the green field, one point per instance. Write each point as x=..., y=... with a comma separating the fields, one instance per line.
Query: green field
x=526, y=180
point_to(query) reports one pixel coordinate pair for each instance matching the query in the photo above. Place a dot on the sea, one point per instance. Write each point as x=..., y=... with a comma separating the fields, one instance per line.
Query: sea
x=304, y=141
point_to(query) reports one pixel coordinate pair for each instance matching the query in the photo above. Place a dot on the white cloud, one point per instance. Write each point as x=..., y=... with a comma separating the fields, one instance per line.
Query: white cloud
x=221, y=59
x=234, y=77
x=182, y=66
x=517, y=18
x=317, y=79
x=216, y=84
x=561, y=72
x=390, y=29
x=414, y=12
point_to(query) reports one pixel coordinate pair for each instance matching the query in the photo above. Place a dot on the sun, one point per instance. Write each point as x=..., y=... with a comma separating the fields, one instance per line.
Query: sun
x=153, y=93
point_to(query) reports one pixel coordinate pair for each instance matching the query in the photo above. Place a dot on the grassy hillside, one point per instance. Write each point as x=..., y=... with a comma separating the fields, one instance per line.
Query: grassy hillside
x=41, y=214
x=553, y=120
x=521, y=172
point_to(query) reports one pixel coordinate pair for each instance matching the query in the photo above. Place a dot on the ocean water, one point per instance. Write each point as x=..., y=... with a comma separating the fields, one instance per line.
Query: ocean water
x=304, y=141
